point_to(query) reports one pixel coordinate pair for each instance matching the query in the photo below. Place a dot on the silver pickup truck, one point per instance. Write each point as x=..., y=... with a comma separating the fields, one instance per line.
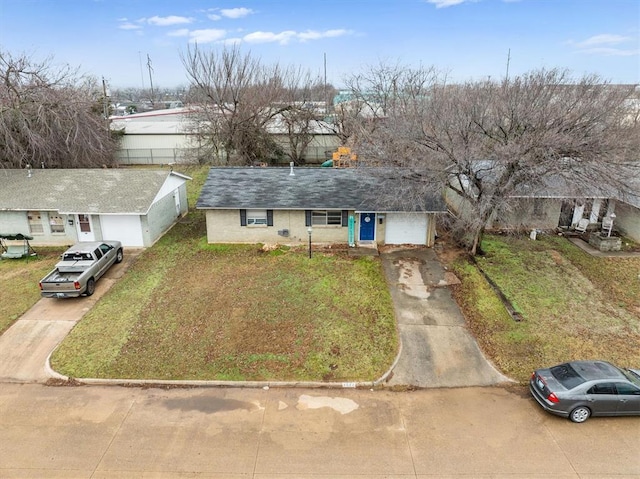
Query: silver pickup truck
x=79, y=269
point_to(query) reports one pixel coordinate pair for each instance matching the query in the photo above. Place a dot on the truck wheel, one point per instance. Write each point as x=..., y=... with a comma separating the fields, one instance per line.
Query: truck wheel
x=119, y=256
x=91, y=287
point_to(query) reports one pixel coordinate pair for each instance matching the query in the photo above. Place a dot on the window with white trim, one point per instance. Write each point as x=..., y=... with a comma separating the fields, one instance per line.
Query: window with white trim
x=35, y=222
x=326, y=218
x=256, y=217
x=56, y=222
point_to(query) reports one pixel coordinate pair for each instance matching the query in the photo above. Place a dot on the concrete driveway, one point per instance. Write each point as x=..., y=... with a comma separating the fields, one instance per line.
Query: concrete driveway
x=27, y=344
x=437, y=348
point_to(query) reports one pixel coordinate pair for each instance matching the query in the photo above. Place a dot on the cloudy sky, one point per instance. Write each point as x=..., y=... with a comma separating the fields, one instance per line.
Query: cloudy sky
x=469, y=39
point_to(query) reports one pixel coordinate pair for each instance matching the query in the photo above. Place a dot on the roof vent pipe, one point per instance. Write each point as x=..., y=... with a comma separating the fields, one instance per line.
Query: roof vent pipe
x=291, y=173
x=28, y=171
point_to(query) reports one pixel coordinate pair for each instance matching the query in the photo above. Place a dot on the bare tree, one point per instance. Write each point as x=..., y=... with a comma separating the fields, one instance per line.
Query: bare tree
x=245, y=104
x=484, y=143
x=239, y=97
x=51, y=116
x=302, y=112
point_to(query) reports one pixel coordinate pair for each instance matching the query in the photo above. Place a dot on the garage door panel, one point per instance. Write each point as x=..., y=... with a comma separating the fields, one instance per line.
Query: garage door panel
x=123, y=228
x=406, y=228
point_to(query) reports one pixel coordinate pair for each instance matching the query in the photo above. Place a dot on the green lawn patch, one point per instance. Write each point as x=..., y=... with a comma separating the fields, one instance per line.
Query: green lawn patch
x=188, y=310
x=573, y=305
x=19, y=283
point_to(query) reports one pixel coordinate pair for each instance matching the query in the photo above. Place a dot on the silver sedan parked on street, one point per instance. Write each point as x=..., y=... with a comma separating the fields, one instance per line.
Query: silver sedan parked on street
x=580, y=389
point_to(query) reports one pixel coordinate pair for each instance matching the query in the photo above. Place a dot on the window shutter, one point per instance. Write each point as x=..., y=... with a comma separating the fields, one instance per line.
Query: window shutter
x=243, y=217
x=307, y=217
x=269, y=217
x=345, y=217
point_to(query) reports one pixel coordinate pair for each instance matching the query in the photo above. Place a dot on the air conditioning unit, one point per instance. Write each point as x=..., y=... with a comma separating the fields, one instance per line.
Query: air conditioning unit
x=284, y=233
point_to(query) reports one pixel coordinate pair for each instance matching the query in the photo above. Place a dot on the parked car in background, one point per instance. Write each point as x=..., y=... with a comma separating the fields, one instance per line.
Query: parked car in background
x=580, y=389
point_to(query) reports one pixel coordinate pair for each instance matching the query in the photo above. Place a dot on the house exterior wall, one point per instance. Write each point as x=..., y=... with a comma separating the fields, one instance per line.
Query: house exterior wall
x=16, y=222
x=163, y=214
x=530, y=213
x=627, y=220
x=223, y=226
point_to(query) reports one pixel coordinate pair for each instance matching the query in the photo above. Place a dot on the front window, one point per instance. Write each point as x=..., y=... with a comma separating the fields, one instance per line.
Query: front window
x=256, y=217
x=326, y=218
x=35, y=222
x=57, y=223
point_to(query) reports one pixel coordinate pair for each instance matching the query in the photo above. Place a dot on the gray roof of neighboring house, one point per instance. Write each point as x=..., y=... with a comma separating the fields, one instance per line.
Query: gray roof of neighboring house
x=308, y=188
x=99, y=191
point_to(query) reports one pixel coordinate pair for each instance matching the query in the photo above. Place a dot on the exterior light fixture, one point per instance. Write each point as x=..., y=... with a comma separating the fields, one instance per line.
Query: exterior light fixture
x=309, y=230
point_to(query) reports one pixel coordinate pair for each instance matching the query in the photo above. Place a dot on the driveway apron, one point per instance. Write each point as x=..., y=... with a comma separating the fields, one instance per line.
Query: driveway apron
x=25, y=347
x=437, y=349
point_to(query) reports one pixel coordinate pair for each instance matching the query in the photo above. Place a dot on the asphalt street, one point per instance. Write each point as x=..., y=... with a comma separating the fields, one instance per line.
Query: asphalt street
x=103, y=432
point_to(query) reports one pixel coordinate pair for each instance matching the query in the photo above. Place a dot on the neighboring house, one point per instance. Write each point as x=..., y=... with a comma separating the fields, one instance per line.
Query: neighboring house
x=557, y=205
x=62, y=206
x=340, y=205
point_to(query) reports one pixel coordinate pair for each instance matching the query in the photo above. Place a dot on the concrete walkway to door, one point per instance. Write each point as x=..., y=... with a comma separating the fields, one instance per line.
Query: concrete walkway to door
x=437, y=349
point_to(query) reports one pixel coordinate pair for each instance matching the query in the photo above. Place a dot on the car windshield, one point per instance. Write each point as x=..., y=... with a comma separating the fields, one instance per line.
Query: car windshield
x=567, y=376
x=632, y=376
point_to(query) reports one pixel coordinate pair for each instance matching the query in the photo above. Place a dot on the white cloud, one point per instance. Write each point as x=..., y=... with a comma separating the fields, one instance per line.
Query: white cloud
x=315, y=35
x=213, y=16
x=604, y=39
x=129, y=26
x=181, y=32
x=611, y=52
x=269, y=37
x=207, y=35
x=606, y=44
x=446, y=3
x=236, y=12
x=287, y=36
x=168, y=21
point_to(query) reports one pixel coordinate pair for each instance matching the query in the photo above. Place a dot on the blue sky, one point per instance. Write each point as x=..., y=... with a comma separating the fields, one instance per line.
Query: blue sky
x=469, y=39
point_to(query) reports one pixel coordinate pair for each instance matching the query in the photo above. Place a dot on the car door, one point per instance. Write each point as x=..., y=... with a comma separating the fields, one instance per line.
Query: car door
x=628, y=398
x=603, y=398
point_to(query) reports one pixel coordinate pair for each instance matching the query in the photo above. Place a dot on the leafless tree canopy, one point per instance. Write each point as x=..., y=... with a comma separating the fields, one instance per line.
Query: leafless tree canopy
x=242, y=99
x=488, y=141
x=50, y=117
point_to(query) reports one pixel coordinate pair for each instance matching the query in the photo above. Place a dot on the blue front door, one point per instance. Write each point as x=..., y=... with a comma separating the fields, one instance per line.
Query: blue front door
x=367, y=226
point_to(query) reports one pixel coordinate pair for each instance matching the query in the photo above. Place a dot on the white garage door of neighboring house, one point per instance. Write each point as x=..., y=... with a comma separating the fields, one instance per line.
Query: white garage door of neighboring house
x=406, y=228
x=123, y=228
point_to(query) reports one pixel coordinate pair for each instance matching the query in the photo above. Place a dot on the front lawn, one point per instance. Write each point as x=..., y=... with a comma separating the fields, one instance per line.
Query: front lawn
x=19, y=283
x=188, y=310
x=573, y=305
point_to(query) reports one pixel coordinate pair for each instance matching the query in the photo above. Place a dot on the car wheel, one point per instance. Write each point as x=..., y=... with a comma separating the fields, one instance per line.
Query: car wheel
x=119, y=256
x=580, y=414
x=91, y=287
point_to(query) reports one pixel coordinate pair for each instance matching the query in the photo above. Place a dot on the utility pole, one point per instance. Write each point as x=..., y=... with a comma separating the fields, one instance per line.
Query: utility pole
x=326, y=99
x=150, y=79
x=105, y=103
x=508, y=61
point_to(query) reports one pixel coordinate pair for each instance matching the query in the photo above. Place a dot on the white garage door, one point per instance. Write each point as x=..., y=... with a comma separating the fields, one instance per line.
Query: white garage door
x=123, y=228
x=406, y=228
